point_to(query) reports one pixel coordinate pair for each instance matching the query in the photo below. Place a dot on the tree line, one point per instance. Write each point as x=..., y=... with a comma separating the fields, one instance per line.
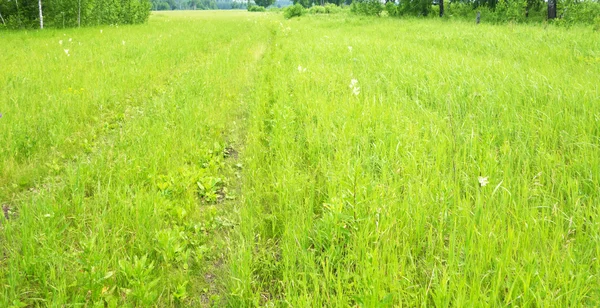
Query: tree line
x=565, y=11
x=166, y=5
x=72, y=13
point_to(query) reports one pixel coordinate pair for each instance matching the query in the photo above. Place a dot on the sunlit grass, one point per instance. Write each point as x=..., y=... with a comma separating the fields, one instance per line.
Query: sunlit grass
x=115, y=159
x=240, y=159
x=460, y=167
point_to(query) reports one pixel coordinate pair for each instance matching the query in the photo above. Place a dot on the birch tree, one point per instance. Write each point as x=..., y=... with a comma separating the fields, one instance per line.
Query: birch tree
x=41, y=15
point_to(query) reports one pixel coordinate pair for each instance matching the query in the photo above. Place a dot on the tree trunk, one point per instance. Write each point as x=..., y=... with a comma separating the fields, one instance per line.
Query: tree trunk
x=41, y=15
x=551, y=9
x=3, y=22
x=79, y=15
x=441, y=8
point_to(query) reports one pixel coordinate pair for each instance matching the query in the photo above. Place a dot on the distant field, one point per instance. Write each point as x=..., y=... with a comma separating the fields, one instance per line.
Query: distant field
x=238, y=159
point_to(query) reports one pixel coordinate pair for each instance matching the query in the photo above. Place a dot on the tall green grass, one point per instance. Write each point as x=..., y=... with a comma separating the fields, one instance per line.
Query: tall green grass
x=116, y=161
x=376, y=199
x=229, y=159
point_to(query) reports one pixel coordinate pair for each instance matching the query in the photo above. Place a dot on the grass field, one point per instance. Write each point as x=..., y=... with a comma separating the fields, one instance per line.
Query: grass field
x=238, y=159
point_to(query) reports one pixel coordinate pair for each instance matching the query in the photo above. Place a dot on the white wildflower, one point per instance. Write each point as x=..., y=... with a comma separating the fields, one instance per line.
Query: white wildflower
x=483, y=181
x=100, y=31
x=70, y=39
x=354, y=86
x=67, y=52
x=350, y=48
x=60, y=42
x=123, y=43
x=301, y=69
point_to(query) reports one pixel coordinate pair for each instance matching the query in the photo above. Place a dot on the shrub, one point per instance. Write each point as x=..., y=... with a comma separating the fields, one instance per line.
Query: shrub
x=367, y=7
x=163, y=6
x=513, y=10
x=460, y=9
x=585, y=12
x=317, y=9
x=332, y=8
x=329, y=8
x=256, y=8
x=415, y=7
x=391, y=8
x=295, y=10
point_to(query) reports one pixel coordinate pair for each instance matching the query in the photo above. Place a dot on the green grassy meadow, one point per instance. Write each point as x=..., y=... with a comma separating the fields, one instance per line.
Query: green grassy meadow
x=240, y=159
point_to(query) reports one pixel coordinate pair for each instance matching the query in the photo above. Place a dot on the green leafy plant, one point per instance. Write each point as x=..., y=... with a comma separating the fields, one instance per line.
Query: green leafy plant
x=367, y=7
x=139, y=280
x=256, y=8
x=295, y=10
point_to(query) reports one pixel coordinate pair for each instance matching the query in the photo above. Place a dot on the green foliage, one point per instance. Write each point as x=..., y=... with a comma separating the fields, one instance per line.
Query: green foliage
x=367, y=7
x=511, y=10
x=575, y=12
x=295, y=10
x=460, y=10
x=326, y=9
x=162, y=6
x=61, y=14
x=331, y=8
x=415, y=7
x=139, y=280
x=392, y=9
x=317, y=9
x=256, y=8
x=570, y=12
x=305, y=3
x=264, y=3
